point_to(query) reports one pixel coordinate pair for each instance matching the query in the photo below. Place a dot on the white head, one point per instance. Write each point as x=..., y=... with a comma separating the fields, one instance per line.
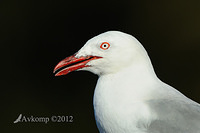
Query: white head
x=113, y=50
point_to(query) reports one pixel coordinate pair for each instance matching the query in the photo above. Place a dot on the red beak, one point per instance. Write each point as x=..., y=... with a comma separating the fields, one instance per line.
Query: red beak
x=72, y=63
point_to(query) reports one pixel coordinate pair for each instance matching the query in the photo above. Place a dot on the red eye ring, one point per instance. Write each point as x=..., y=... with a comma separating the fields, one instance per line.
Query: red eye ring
x=105, y=45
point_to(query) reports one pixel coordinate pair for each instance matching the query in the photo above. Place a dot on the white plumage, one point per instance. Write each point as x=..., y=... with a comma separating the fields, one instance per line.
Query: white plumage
x=129, y=98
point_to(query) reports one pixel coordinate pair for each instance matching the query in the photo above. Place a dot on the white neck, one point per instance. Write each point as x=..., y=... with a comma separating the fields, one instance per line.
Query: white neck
x=116, y=93
x=132, y=79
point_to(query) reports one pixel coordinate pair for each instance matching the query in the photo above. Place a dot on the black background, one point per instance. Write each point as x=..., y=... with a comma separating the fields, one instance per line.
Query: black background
x=36, y=35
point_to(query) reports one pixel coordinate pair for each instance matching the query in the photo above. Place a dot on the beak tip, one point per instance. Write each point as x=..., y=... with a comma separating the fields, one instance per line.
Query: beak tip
x=54, y=70
x=61, y=73
x=58, y=74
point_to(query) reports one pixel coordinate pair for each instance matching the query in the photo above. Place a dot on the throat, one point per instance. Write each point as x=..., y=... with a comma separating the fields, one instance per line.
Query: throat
x=132, y=83
x=140, y=73
x=122, y=94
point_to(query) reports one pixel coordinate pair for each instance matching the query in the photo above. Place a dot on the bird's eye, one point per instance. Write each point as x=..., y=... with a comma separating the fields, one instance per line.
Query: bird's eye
x=105, y=45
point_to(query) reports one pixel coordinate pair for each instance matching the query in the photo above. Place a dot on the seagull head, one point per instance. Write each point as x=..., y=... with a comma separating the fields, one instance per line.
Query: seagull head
x=103, y=54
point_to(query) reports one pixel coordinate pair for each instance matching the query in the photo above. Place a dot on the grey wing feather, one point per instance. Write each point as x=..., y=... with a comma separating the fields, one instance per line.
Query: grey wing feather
x=175, y=116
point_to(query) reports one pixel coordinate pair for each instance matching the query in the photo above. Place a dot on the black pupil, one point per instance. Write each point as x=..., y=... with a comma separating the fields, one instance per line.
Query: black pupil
x=104, y=45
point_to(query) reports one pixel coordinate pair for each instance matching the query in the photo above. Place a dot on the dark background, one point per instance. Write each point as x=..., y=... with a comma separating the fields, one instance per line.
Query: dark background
x=35, y=36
